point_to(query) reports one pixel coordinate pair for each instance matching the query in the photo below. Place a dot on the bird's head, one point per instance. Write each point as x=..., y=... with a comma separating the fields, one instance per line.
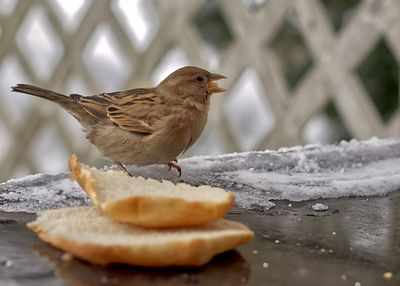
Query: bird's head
x=192, y=82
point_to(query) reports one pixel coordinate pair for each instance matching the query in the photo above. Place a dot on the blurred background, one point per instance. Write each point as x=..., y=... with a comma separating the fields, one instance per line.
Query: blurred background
x=315, y=71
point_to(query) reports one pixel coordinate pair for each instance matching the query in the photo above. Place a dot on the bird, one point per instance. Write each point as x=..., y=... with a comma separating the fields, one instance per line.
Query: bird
x=142, y=126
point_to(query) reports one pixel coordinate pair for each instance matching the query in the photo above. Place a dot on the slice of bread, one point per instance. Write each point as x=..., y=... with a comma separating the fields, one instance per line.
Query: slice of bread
x=94, y=237
x=150, y=203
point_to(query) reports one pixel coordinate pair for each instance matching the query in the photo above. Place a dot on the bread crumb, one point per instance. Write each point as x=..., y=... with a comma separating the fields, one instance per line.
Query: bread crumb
x=387, y=275
x=67, y=256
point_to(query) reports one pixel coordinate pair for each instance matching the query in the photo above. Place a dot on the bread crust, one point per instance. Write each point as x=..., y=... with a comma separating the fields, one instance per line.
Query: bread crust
x=181, y=251
x=151, y=211
x=164, y=212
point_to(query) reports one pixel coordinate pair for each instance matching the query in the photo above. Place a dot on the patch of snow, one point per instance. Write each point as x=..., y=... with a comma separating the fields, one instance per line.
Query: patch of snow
x=39, y=192
x=26, y=179
x=319, y=207
x=347, y=169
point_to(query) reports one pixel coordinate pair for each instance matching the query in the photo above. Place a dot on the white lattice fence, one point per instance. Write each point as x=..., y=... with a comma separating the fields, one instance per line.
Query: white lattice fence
x=94, y=46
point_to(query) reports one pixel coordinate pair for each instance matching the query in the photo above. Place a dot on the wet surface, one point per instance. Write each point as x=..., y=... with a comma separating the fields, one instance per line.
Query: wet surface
x=355, y=240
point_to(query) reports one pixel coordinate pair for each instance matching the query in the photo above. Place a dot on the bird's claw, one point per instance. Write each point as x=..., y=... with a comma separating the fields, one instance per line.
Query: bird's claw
x=175, y=166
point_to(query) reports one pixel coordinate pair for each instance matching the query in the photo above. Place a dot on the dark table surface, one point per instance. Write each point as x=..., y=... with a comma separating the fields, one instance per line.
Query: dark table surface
x=356, y=240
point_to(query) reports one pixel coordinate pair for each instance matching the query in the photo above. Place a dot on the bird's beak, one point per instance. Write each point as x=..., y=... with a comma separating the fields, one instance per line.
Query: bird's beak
x=212, y=87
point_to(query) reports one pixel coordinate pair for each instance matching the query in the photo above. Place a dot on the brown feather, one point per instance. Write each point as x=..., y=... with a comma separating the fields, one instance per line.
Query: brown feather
x=142, y=126
x=64, y=101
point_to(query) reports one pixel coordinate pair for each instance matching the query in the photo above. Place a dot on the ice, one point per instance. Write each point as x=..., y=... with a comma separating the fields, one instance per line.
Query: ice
x=269, y=205
x=319, y=207
x=257, y=178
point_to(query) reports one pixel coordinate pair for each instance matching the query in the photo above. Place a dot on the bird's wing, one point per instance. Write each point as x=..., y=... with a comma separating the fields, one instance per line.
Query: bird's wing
x=138, y=114
x=94, y=105
x=135, y=110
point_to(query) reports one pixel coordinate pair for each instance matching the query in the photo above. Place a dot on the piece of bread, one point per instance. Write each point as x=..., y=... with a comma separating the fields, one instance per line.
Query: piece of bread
x=150, y=203
x=94, y=237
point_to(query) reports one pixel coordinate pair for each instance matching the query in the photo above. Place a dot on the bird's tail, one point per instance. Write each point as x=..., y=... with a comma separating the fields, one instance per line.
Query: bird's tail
x=64, y=101
x=41, y=92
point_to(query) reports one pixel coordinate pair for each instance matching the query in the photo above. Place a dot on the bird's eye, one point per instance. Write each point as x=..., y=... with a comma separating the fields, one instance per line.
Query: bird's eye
x=199, y=79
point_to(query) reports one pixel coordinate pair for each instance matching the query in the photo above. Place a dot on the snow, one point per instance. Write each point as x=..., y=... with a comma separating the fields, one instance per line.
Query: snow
x=319, y=207
x=257, y=178
x=38, y=192
x=26, y=178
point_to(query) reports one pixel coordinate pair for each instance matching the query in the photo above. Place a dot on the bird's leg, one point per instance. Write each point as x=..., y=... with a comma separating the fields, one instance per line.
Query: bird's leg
x=175, y=160
x=121, y=167
x=175, y=166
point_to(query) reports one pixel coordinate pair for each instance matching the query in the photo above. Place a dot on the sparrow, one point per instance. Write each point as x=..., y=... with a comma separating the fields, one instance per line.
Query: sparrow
x=142, y=126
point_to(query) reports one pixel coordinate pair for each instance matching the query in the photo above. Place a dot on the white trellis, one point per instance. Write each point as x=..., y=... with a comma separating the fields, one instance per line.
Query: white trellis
x=332, y=77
